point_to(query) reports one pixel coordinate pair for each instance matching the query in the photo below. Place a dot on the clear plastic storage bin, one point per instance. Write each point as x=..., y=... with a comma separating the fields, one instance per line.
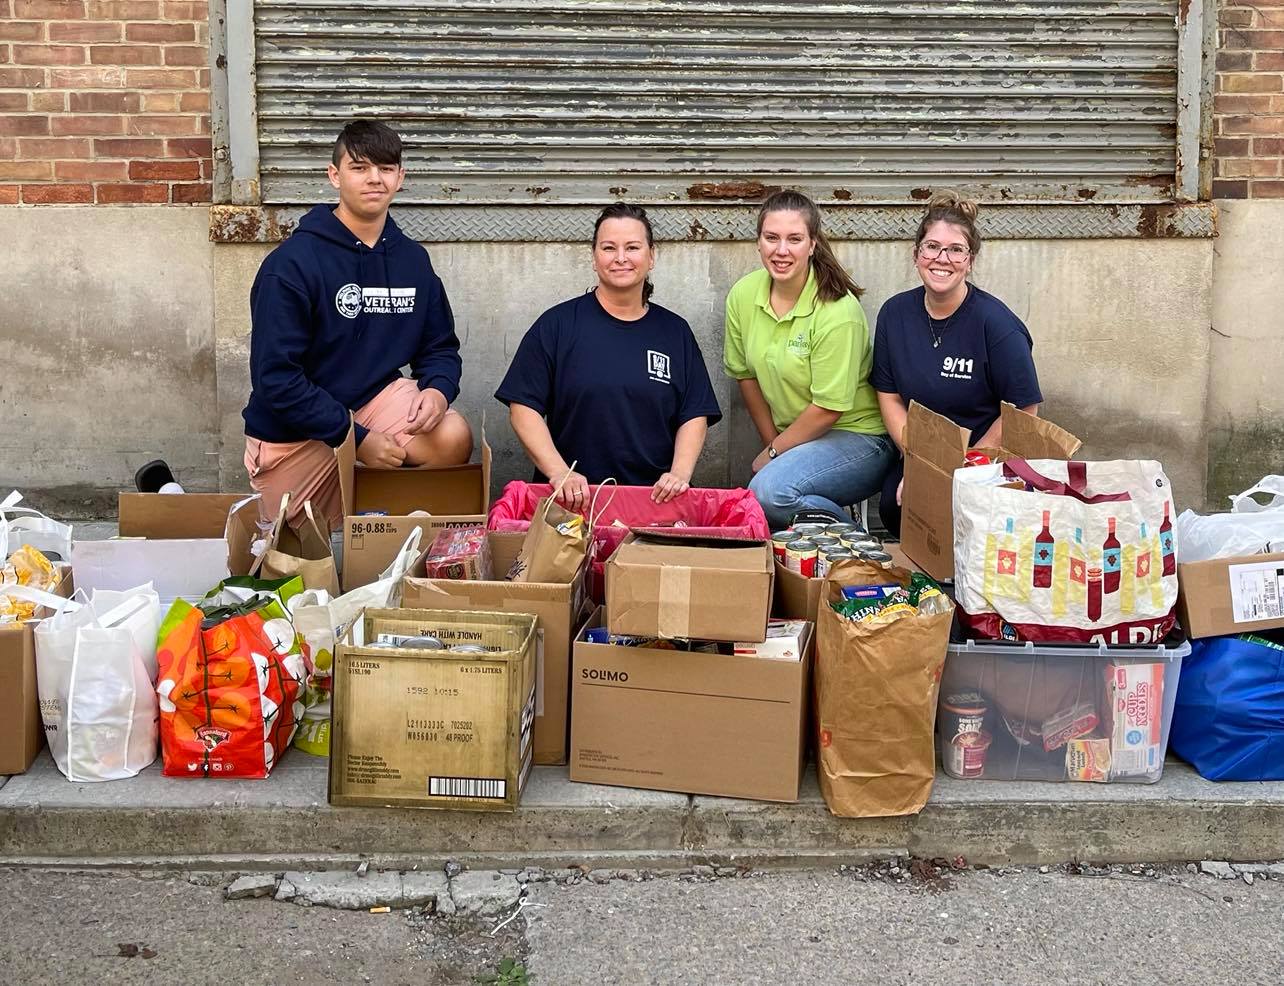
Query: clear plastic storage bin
x=1022, y=711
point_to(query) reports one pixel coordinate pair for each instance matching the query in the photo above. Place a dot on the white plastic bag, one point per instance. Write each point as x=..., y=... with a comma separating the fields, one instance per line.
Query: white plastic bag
x=322, y=621
x=1250, y=528
x=96, y=676
x=23, y=525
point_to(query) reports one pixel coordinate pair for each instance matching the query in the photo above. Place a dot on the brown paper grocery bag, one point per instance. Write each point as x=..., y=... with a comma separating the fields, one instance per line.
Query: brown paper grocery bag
x=306, y=552
x=876, y=689
x=549, y=555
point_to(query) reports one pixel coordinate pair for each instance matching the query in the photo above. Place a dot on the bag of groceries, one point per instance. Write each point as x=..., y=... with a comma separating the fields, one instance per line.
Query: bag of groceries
x=305, y=552
x=1051, y=551
x=231, y=677
x=882, y=636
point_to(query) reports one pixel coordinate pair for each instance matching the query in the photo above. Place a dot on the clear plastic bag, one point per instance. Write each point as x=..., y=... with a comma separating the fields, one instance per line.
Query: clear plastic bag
x=1251, y=528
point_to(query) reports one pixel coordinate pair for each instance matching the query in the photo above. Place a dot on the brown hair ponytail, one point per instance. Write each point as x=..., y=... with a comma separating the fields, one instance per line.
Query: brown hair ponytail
x=832, y=280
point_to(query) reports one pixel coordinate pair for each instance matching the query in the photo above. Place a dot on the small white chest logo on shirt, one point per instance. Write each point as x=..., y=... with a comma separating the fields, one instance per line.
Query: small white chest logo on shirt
x=388, y=301
x=348, y=300
x=657, y=366
x=957, y=368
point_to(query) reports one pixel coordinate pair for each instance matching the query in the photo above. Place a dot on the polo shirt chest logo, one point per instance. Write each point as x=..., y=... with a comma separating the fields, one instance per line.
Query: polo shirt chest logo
x=658, y=367
x=797, y=346
x=957, y=368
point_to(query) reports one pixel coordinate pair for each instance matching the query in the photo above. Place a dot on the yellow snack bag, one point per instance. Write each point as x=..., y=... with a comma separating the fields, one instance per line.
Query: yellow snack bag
x=26, y=566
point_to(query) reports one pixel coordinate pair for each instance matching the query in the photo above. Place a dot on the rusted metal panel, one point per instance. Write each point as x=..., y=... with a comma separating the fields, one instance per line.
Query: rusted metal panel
x=1190, y=85
x=242, y=106
x=583, y=101
x=736, y=223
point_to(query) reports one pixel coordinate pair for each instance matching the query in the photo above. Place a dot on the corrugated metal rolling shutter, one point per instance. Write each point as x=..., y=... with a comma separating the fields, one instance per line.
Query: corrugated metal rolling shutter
x=707, y=100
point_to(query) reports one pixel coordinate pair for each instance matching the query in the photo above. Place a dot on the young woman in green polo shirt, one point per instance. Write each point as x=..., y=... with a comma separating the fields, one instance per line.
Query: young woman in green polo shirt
x=797, y=341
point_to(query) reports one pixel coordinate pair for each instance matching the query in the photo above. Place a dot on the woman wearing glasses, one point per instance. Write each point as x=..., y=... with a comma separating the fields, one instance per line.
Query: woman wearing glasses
x=949, y=345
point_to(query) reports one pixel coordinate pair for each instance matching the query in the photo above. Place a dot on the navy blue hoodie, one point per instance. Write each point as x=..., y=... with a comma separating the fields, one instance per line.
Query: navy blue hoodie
x=333, y=321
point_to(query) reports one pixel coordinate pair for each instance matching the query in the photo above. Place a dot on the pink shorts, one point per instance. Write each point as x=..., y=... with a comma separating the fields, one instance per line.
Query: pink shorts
x=307, y=471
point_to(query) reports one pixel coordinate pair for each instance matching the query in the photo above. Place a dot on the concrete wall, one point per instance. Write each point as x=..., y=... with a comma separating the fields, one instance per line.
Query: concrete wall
x=107, y=334
x=126, y=337
x=1246, y=376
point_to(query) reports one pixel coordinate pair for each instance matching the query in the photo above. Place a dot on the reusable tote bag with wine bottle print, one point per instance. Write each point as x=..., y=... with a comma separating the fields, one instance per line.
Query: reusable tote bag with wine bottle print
x=1052, y=551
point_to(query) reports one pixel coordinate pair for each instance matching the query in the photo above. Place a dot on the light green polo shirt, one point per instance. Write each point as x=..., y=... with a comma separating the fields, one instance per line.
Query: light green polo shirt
x=818, y=353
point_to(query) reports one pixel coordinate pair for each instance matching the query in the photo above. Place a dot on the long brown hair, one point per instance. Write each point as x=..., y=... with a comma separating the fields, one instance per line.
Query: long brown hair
x=832, y=280
x=623, y=210
x=949, y=206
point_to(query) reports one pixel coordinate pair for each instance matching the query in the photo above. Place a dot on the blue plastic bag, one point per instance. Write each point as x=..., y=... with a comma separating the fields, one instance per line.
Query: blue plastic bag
x=1229, y=718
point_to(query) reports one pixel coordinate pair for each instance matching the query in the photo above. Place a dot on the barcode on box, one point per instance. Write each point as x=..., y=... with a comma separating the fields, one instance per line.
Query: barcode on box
x=467, y=787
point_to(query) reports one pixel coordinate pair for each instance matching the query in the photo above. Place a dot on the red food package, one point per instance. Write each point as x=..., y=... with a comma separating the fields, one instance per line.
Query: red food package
x=460, y=553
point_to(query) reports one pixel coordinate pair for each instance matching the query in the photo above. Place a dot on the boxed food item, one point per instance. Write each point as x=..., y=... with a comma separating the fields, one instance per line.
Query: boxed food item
x=558, y=608
x=1054, y=713
x=688, y=721
x=708, y=589
x=433, y=709
x=786, y=641
x=21, y=729
x=382, y=506
x=934, y=447
x=459, y=553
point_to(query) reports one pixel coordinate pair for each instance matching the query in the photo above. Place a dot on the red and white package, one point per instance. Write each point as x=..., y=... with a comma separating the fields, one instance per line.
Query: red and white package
x=460, y=553
x=1135, y=693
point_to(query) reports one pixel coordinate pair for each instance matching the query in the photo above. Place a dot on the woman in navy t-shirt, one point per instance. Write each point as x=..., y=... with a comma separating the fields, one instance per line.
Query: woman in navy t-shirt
x=952, y=347
x=611, y=381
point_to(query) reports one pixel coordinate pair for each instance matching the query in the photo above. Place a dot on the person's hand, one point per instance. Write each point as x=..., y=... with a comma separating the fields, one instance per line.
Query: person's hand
x=669, y=486
x=899, y=487
x=575, y=492
x=762, y=459
x=426, y=411
x=380, y=451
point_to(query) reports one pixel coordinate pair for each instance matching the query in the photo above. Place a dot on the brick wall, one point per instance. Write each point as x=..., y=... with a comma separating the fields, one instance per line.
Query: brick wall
x=104, y=101
x=1248, y=109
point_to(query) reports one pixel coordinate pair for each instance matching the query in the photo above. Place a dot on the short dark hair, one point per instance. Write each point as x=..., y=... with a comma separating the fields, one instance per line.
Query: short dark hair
x=623, y=210
x=368, y=140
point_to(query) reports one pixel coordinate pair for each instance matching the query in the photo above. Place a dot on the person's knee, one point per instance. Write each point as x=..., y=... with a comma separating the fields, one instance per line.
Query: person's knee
x=456, y=436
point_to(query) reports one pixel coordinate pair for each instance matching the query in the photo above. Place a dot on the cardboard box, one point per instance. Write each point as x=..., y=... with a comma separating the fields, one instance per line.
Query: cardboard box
x=1231, y=595
x=557, y=608
x=798, y=598
x=694, y=723
x=712, y=590
x=434, y=728
x=934, y=448
x=452, y=496
x=184, y=544
x=22, y=732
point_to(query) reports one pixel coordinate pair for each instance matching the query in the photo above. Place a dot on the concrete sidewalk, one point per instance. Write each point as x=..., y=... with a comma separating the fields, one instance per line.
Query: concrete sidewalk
x=152, y=819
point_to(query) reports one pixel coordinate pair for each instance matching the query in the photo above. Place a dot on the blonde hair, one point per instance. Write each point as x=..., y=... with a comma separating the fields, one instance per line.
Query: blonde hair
x=951, y=207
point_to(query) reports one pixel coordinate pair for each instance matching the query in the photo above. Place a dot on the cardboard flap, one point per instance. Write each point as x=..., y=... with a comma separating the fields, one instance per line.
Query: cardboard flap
x=935, y=438
x=346, y=457
x=738, y=557
x=684, y=537
x=241, y=532
x=170, y=516
x=1029, y=437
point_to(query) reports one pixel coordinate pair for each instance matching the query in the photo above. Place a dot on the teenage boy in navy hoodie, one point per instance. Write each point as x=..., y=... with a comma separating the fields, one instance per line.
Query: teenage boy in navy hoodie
x=337, y=310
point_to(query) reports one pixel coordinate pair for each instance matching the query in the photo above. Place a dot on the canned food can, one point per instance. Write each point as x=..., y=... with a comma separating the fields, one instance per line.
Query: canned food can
x=826, y=542
x=861, y=542
x=467, y=649
x=837, y=555
x=822, y=564
x=426, y=642
x=843, y=527
x=965, y=755
x=800, y=557
x=809, y=530
x=778, y=542
x=877, y=557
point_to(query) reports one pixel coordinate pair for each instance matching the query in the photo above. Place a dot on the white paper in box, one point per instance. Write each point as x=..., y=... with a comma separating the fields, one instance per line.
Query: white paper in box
x=184, y=568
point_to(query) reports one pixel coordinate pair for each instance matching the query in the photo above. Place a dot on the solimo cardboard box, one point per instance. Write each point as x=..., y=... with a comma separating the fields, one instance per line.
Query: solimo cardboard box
x=934, y=448
x=557, y=608
x=798, y=597
x=707, y=589
x=1231, y=595
x=715, y=724
x=433, y=728
x=21, y=730
x=451, y=496
x=183, y=543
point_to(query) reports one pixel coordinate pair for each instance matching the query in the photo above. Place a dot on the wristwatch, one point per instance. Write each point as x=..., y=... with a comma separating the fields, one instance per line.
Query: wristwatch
x=771, y=451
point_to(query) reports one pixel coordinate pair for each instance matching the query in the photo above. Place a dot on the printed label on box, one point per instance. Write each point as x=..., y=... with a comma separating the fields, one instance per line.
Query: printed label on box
x=1257, y=591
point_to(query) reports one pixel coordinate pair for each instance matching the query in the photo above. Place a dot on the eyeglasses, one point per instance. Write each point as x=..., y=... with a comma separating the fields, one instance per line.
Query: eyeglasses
x=956, y=253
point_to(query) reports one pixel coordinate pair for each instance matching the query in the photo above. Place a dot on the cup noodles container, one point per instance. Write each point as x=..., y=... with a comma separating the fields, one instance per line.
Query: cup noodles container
x=1135, y=695
x=964, y=739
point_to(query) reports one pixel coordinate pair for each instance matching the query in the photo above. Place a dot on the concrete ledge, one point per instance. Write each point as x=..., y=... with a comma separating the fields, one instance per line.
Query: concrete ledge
x=152, y=820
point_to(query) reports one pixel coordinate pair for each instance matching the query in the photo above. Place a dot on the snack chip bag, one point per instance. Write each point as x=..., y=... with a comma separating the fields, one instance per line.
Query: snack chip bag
x=26, y=566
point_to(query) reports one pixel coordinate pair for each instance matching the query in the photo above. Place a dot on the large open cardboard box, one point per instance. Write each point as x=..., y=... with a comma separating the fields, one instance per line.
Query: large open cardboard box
x=184, y=544
x=422, y=728
x=688, y=722
x=798, y=597
x=453, y=496
x=22, y=732
x=1231, y=595
x=557, y=608
x=934, y=448
x=713, y=590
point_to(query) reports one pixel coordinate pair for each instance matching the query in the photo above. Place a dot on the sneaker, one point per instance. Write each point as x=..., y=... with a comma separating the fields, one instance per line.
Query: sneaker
x=813, y=515
x=152, y=476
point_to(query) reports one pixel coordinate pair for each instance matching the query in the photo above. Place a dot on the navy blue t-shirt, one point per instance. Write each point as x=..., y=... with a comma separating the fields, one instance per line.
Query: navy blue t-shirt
x=614, y=393
x=985, y=357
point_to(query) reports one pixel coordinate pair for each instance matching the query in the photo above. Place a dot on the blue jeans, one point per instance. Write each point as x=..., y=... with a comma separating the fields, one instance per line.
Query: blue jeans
x=836, y=470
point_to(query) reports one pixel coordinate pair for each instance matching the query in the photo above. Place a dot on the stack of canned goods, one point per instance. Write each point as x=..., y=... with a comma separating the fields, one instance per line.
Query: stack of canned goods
x=812, y=550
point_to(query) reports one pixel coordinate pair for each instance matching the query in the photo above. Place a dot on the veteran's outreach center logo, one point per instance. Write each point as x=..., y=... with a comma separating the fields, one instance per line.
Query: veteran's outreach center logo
x=352, y=298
